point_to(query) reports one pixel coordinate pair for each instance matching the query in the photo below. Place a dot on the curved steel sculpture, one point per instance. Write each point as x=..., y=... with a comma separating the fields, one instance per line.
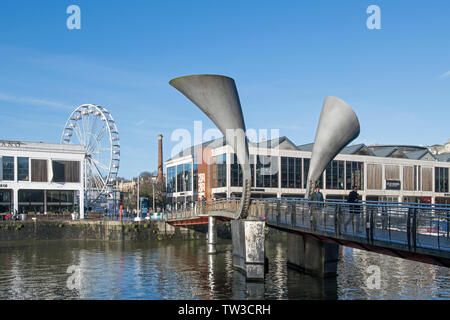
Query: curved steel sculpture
x=218, y=98
x=338, y=126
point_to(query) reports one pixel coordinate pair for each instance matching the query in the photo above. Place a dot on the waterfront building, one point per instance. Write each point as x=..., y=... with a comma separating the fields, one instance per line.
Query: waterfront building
x=392, y=173
x=41, y=177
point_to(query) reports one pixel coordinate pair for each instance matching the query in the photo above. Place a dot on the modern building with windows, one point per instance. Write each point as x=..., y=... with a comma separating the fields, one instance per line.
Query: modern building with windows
x=41, y=177
x=280, y=168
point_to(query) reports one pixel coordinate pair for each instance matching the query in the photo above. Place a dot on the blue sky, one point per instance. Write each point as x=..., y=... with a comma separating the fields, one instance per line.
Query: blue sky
x=285, y=56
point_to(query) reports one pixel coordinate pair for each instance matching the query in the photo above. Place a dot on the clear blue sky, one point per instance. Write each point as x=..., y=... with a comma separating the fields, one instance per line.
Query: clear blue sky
x=286, y=57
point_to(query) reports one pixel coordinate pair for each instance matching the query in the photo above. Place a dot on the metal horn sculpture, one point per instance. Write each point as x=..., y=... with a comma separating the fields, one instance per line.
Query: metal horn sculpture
x=218, y=98
x=338, y=126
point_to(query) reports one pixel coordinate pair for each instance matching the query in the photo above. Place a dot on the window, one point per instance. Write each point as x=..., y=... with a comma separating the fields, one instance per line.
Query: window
x=291, y=172
x=23, y=169
x=8, y=168
x=335, y=175
x=31, y=200
x=267, y=171
x=171, y=179
x=236, y=171
x=374, y=176
x=183, y=178
x=409, y=181
x=354, y=175
x=195, y=177
x=427, y=179
x=187, y=177
x=219, y=171
x=180, y=182
x=5, y=201
x=440, y=179
x=66, y=171
x=306, y=163
x=60, y=201
x=392, y=172
x=39, y=170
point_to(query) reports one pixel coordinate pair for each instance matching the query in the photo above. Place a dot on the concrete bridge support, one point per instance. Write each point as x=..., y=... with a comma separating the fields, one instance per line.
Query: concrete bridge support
x=248, y=248
x=212, y=235
x=312, y=256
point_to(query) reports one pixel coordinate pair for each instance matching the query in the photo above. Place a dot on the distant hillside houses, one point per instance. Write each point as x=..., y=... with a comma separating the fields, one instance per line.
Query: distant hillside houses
x=438, y=149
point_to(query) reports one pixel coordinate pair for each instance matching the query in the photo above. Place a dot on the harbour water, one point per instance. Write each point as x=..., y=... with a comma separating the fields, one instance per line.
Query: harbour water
x=183, y=270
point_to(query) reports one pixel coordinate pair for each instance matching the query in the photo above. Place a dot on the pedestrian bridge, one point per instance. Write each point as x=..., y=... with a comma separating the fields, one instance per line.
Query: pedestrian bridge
x=417, y=232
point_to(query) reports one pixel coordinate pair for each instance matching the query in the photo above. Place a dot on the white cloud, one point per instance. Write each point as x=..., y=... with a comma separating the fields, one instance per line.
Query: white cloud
x=445, y=75
x=140, y=123
x=34, y=101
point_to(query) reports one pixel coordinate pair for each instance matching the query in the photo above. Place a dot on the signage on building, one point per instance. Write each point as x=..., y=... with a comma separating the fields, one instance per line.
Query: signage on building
x=6, y=143
x=201, y=185
x=3, y=185
x=258, y=190
x=393, y=184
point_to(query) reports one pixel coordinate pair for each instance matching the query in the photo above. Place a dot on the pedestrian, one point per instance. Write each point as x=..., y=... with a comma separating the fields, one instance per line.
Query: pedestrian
x=353, y=198
x=316, y=196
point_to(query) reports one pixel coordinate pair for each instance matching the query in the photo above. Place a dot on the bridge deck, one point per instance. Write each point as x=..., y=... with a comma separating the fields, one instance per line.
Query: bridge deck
x=396, y=229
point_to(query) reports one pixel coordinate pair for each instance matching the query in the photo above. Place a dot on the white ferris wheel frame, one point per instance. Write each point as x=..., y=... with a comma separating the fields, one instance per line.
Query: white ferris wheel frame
x=94, y=188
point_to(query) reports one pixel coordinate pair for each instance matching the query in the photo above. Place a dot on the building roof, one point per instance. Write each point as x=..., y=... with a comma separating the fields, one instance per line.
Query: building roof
x=419, y=154
x=357, y=149
x=305, y=147
x=443, y=157
x=384, y=151
x=283, y=143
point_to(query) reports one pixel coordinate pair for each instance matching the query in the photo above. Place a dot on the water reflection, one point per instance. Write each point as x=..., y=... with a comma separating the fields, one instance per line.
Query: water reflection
x=183, y=270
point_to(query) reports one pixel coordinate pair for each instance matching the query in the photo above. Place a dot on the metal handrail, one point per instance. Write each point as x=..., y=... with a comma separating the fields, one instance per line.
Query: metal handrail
x=414, y=225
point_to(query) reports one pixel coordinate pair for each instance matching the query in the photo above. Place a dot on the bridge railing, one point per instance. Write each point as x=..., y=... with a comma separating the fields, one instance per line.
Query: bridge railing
x=411, y=225
x=414, y=225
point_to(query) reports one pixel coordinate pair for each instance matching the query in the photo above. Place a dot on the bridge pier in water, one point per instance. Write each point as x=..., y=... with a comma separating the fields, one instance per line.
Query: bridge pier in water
x=311, y=255
x=212, y=235
x=248, y=248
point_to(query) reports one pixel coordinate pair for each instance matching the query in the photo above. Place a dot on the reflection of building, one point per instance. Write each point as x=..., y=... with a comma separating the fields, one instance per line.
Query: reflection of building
x=40, y=177
x=280, y=168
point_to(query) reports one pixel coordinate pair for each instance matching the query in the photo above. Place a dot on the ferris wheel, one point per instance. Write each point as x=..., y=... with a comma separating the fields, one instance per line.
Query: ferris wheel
x=94, y=128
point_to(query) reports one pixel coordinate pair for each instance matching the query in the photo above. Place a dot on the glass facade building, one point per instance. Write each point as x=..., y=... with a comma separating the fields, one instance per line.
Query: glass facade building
x=441, y=179
x=40, y=177
x=284, y=173
x=266, y=171
x=219, y=171
x=8, y=168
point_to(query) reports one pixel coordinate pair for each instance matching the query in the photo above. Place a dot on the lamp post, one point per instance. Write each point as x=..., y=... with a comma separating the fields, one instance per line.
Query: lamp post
x=138, y=204
x=186, y=179
x=153, y=197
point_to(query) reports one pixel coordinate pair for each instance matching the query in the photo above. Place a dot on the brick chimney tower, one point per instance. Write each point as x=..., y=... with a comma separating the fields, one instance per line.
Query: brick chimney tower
x=160, y=159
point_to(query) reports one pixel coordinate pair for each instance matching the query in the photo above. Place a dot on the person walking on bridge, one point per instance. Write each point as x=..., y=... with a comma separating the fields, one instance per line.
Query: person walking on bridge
x=316, y=206
x=353, y=198
x=316, y=196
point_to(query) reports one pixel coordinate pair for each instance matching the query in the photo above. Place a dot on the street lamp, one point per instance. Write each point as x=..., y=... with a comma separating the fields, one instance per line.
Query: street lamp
x=186, y=179
x=138, y=204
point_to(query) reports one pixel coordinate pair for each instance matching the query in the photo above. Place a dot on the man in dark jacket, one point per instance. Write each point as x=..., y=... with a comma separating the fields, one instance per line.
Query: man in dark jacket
x=353, y=197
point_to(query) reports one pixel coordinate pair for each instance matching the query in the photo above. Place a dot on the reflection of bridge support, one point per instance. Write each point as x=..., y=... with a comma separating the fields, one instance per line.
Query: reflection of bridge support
x=212, y=235
x=311, y=255
x=248, y=247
